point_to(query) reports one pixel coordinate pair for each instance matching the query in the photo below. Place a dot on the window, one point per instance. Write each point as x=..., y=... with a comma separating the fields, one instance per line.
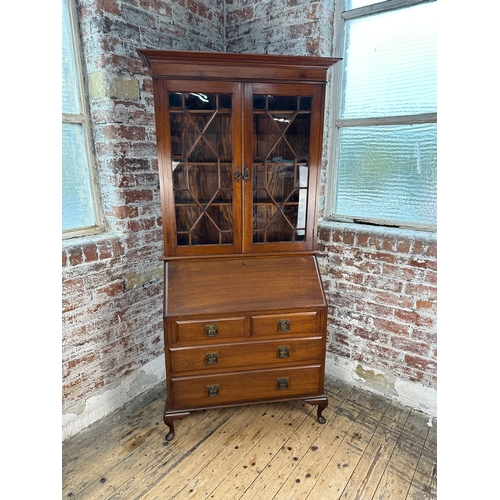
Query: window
x=80, y=213
x=384, y=129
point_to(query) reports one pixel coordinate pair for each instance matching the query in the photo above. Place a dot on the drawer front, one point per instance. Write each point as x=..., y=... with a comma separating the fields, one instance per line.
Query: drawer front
x=245, y=387
x=278, y=325
x=205, y=331
x=248, y=355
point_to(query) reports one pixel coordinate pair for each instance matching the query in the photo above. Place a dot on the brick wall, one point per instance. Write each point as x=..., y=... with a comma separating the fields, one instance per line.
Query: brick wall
x=113, y=283
x=380, y=283
x=295, y=27
x=381, y=287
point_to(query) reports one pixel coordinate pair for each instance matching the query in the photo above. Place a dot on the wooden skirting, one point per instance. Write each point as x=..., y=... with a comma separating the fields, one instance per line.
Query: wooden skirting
x=369, y=448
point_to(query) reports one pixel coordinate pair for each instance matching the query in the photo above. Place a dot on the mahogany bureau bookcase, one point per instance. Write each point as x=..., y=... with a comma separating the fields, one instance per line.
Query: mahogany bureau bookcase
x=239, y=140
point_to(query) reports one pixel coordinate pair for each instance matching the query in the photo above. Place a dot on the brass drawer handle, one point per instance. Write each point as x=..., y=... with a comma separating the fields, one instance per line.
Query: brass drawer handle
x=283, y=352
x=211, y=330
x=212, y=390
x=211, y=358
x=283, y=325
x=282, y=384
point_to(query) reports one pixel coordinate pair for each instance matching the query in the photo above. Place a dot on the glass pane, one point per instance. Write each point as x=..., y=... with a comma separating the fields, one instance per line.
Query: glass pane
x=225, y=101
x=202, y=152
x=201, y=133
x=175, y=99
x=205, y=232
x=388, y=173
x=281, y=132
x=354, y=4
x=390, y=63
x=282, y=103
x=298, y=133
x=200, y=101
x=305, y=103
x=77, y=204
x=265, y=134
x=259, y=102
x=179, y=173
x=203, y=181
x=218, y=135
x=70, y=100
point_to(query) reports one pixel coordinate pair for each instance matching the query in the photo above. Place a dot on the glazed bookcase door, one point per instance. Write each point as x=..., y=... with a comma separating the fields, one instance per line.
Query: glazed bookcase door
x=200, y=162
x=283, y=129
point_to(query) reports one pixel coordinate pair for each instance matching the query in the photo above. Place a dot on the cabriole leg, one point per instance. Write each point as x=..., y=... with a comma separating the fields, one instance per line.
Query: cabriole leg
x=322, y=402
x=169, y=418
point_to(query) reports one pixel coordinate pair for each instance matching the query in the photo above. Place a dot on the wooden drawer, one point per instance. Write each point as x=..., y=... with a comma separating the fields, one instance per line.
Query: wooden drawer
x=285, y=324
x=246, y=355
x=245, y=387
x=207, y=330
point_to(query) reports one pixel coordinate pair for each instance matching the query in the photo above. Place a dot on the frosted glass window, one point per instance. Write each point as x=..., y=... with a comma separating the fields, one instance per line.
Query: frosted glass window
x=76, y=189
x=388, y=172
x=70, y=101
x=78, y=207
x=386, y=147
x=390, y=63
x=354, y=4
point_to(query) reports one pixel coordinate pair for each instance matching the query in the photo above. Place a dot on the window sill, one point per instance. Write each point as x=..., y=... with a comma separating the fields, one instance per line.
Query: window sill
x=376, y=230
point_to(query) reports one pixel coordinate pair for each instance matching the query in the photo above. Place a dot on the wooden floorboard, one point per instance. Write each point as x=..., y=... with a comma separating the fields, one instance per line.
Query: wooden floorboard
x=369, y=448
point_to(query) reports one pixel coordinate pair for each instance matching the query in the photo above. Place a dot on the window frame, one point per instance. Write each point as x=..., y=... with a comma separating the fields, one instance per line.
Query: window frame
x=341, y=16
x=83, y=119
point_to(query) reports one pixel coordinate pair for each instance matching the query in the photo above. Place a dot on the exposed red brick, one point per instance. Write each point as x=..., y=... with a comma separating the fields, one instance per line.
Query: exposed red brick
x=125, y=212
x=137, y=195
x=75, y=256
x=425, y=304
x=372, y=335
x=111, y=290
x=394, y=299
x=301, y=30
x=105, y=250
x=404, y=273
x=425, y=365
x=348, y=237
x=380, y=256
x=122, y=132
x=109, y=6
x=424, y=335
x=389, y=243
x=431, y=250
x=403, y=246
x=240, y=15
x=430, y=276
x=118, y=249
x=324, y=234
x=414, y=318
x=383, y=352
x=362, y=239
x=90, y=252
x=424, y=263
x=421, y=290
x=409, y=345
x=391, y=326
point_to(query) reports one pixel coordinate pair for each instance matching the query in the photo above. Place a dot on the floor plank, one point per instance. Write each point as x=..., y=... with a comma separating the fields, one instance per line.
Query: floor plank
x=369, y=448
